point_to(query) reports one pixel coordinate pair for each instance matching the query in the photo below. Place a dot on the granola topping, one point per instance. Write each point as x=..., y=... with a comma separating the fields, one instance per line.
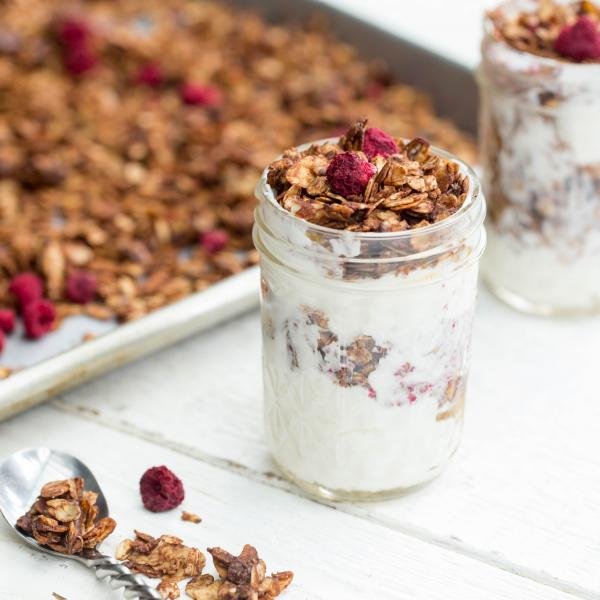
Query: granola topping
x=191, y=517
x=368, y=181
x=65, y=518
x=564, y=31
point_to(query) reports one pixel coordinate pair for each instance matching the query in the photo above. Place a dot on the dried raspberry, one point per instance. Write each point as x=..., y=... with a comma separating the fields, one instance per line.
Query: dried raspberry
x=200, y=95
x=38, y=317
x=161, y=489
x=379, y=143
x=81, y=287
x=74, y=32
x=151, y=75
x=27, y=287
x=7, y=320
x=348, y=174
x=80, y=59
x=214, y=240
x=580, y=41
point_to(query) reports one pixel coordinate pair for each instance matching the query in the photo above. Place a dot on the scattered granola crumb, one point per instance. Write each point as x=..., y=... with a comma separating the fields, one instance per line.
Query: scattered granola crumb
x=7, y=320
x=65, y=518
x=81, y=287
x=58, y=596
x=189, y=516
x=26, y=287
x=201, y=95
x=5, y=372
x=379, y=143
x=39, y=317
x=580, y=41
x=214, y=241
x=161, y=489
x=88, y=336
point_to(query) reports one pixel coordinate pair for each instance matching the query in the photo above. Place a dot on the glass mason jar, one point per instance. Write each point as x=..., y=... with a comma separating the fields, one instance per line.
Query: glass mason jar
x=366, y=342
x=540, y=146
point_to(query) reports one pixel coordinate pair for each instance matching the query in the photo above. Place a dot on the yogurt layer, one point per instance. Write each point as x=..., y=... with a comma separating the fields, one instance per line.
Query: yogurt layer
x=395, y=428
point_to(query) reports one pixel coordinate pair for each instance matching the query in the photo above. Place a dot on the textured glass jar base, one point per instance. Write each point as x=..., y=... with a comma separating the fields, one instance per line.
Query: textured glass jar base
x=525, y=305
x=322, y=492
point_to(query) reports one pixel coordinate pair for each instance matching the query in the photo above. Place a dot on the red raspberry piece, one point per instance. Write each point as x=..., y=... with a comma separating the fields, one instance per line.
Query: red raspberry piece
x=214, y=240
x=580, y=41
x=38, y=317
x=201, y=95
x=379, y=143
x=26, y=287
x=73, y=31
x=80, y=59
x=81, y=287
x=151, y=75
x=161, y=489
x=2, y=340
x=348, y=174
x=7, y=320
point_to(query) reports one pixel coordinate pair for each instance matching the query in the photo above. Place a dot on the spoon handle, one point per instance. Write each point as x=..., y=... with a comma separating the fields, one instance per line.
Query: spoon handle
x=118, y=576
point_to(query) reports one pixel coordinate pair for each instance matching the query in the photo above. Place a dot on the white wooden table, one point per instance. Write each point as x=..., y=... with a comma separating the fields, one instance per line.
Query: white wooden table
x=515, y=516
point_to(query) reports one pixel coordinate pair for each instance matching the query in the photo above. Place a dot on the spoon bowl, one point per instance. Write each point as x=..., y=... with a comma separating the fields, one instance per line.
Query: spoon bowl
x=22, y=476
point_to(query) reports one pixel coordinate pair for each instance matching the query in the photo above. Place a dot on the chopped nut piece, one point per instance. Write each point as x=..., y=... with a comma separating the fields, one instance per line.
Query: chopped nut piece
x=189, y=516
x=64, y=517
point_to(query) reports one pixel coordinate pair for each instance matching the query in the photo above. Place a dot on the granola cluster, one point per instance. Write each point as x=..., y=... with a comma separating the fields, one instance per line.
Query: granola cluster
x=394, y=187
x=132, y=135
x=242, y=577
x=349, y=365
x=564, y=31
x=65, y=518
x=165, y=558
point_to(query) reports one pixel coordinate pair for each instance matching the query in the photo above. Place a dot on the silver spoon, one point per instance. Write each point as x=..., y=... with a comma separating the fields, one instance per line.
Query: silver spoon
x=22, y=476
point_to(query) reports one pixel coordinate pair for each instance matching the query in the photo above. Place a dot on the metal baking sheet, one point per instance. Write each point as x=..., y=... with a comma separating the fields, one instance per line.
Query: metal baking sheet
x=61, y=360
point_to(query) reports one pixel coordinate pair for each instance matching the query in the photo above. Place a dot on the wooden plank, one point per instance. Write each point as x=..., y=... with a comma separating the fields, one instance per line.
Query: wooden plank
x=334, y=555
x=523, y=490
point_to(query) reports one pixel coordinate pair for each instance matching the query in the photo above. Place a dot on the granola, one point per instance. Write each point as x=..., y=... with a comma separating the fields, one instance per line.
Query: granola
x=191, y=517
x=338, y=185
x=559, y=30
x=165, y=558
x=65, y=518
x=243, y=577
x=127, y=165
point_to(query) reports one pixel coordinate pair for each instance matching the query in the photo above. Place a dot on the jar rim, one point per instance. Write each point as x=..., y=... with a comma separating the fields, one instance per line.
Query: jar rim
x=491, y=31
x=471, y=204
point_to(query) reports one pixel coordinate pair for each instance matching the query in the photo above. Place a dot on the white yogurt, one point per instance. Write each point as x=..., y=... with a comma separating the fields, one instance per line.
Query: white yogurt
x=400, y=430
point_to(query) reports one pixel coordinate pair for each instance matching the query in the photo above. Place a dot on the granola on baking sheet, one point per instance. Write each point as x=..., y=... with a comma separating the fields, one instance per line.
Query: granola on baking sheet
x=132, y=134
